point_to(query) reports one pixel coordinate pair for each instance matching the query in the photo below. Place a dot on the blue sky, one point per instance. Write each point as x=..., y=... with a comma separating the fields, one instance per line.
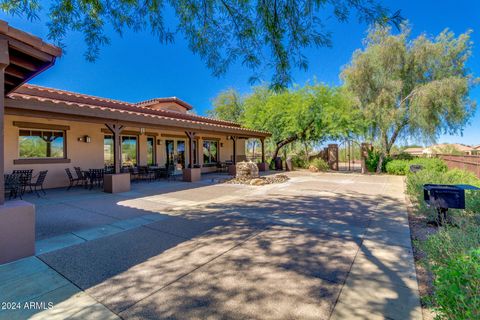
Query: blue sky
x=136, y=67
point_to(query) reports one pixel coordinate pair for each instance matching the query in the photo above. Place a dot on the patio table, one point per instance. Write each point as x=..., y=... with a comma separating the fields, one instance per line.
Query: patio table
x=94, y=177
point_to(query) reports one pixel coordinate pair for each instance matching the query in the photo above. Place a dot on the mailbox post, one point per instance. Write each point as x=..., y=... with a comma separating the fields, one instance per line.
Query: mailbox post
x=443, y=197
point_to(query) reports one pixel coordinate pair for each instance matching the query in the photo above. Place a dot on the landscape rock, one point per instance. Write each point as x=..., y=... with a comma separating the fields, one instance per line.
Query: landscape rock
x=247, y=170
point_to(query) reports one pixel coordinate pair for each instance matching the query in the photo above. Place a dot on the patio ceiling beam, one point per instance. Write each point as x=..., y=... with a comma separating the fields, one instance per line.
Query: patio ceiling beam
x=116, y=130
x=23, y=63
x=14, y=71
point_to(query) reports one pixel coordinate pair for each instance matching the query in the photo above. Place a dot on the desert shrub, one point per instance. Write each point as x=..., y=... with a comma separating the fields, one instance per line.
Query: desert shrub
x=415, y=182
x=457, y=287
x=320, y=164
x=403, y=156
x=453, y=257
x=397, y=167
x=434, y=164
x=299, y=161
x=402, y=167
x=372, y=161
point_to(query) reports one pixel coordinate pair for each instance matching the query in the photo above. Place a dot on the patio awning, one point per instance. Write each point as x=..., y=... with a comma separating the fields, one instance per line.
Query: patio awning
x=22, y=56
x=27, y=56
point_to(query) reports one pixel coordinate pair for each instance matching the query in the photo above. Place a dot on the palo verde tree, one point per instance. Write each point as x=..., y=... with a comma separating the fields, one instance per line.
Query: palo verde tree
x=411, y=88
x=227, y=105
x=255, y=33
x=312, y=113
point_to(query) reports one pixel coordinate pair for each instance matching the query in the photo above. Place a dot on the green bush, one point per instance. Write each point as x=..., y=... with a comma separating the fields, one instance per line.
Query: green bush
x=372, y=161
x=320, y=164
x=403, y=156
x=299, y=161
x=402, y=167
x=397, y=167
x=454, y=260
x=415, y=182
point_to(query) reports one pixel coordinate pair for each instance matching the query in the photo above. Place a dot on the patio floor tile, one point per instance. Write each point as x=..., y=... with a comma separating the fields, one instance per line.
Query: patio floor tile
x=97, y=232
x=120, y=287
x=391, y=300
x=110, y=206
x=70, y=303
x=128, y=224
x=57, y=219
x=241, y=285
x=92, y=262
x=185, y=228
x=31, y=285
x=56, y=243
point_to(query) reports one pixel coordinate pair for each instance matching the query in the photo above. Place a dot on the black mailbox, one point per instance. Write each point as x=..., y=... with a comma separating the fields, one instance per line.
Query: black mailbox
x=443, y=197
x=278, y=163
x=415, y=168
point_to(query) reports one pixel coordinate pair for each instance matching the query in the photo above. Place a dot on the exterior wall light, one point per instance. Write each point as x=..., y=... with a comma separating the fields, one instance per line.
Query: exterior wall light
x=86, y=139
x=159, y=142
x=142, y=130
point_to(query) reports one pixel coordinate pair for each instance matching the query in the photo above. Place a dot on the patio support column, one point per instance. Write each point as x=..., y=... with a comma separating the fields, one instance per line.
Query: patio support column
x=191, y=143
x=4, y=62
x=234, y=139
x=116, y=182
x=263, y=165
x=262, y=141
x=191, y=174
x=116, y=130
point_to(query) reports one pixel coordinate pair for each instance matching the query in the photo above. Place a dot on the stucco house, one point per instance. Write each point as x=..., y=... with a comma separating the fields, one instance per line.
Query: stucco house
x=50, y=129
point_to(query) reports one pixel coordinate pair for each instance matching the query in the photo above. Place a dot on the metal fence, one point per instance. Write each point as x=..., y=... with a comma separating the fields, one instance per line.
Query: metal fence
x=465, y=162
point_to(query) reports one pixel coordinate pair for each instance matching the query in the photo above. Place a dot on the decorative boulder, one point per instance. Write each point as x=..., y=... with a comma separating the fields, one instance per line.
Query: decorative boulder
x=258, y=182
x=312, y=168
x=247, y=170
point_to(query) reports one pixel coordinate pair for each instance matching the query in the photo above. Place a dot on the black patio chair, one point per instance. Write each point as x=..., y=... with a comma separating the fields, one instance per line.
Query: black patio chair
x=71, y=180
x=172, y=173
x=145, y=173
x=39, y=183
x=80, y=175
x=13, y=185
x=25, y=178
x=135, y=174
x=96, y=177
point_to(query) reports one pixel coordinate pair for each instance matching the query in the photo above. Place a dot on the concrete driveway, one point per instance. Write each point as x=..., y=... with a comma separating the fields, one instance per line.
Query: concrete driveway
x=317, y=247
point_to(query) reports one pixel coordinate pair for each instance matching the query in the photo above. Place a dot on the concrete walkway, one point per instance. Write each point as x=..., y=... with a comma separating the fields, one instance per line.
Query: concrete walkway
x=317, y=247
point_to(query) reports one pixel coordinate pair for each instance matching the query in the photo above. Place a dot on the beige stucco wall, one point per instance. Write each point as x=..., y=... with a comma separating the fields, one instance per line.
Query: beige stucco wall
x=90, y=155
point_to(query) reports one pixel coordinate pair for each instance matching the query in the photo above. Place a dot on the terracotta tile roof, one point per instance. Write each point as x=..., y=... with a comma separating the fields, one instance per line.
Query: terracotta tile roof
x=44, y=94
x=153, y=101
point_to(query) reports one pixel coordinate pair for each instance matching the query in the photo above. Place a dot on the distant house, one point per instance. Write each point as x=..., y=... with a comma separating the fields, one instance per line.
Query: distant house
x=476, y=150
x=414, y=151
x=444, y=148
x=450, y=148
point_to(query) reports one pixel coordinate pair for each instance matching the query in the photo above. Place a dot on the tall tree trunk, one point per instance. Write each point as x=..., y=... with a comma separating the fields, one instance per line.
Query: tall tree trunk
x=281, y=144
x=383, y=152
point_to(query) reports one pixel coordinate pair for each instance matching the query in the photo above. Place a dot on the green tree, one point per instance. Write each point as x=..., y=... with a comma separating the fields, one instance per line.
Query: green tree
x=416, y=88
x=309, y=114
x=258, y=33
x=227, y=105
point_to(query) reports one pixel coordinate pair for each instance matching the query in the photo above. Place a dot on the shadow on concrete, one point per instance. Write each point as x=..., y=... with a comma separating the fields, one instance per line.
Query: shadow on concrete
x=281, y=257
